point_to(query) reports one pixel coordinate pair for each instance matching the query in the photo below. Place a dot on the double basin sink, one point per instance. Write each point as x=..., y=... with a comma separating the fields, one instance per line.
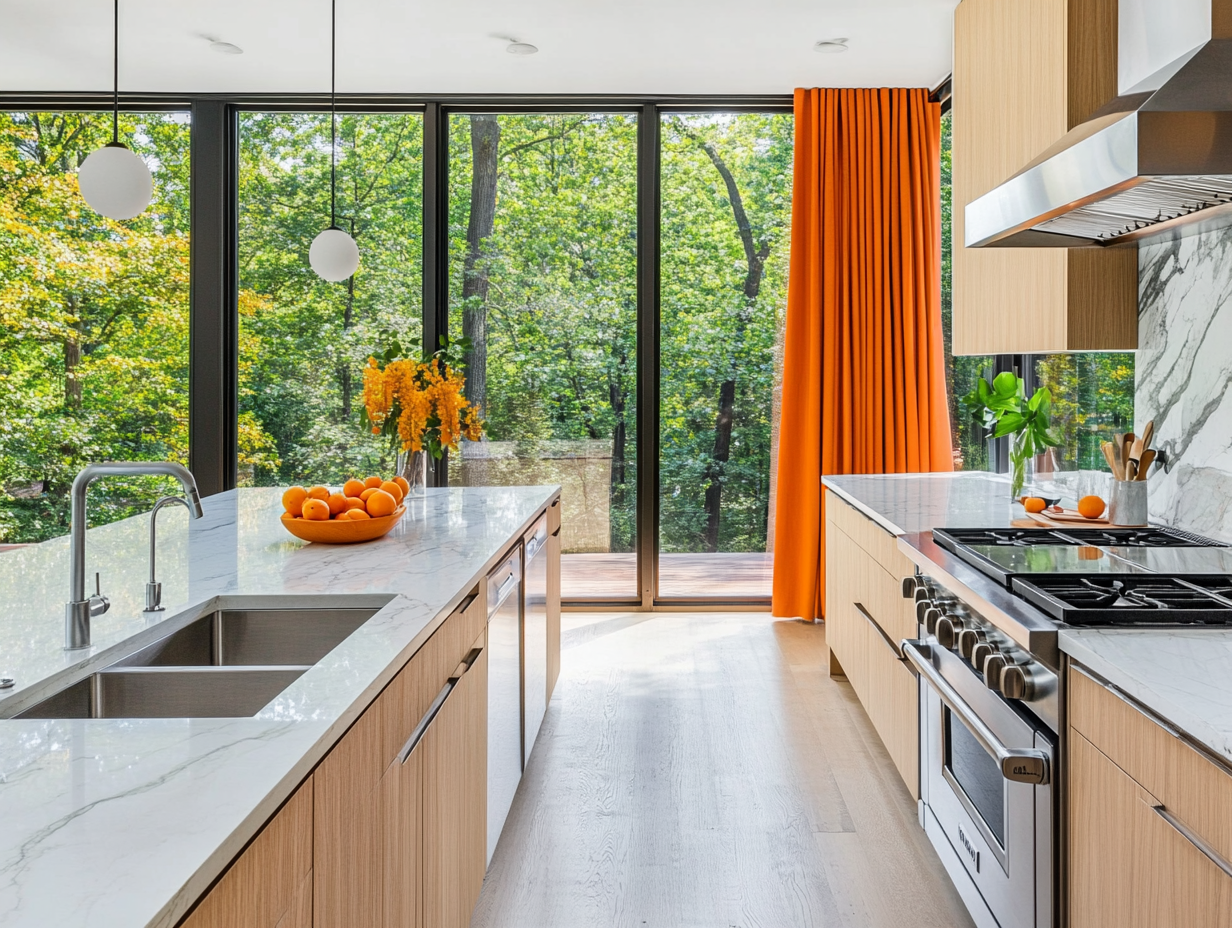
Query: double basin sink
x=227, y=664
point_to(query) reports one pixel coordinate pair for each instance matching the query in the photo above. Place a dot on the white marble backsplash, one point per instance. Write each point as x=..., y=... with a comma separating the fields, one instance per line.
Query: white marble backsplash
x=1184, y=367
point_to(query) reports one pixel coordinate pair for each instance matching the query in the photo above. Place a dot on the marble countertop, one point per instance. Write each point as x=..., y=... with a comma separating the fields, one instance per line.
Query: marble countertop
x=904, y=504
x=1183, y=675
x=126, y=823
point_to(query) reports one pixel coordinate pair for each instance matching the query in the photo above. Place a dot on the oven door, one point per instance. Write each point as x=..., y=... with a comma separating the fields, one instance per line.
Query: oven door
x=985, y=775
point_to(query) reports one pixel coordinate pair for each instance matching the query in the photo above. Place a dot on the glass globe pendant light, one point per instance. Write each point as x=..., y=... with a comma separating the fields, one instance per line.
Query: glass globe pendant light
x=333, y=254
x=113, y=180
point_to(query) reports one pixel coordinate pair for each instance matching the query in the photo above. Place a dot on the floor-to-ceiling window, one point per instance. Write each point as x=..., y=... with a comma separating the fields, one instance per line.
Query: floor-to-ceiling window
x=93, y=319
x=303, y=342
x=726, y=217
x=543, y=281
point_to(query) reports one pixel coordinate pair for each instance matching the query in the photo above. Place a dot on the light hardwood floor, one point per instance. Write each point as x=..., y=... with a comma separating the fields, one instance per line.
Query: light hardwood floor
x=704, y=770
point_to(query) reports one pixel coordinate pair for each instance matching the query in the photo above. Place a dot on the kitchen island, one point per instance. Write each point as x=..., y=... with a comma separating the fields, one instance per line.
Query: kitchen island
x=128, y=822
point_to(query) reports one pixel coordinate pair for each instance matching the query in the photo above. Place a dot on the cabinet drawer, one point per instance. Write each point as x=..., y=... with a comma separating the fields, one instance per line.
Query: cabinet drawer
x=880, y=593
x=1193, y=789
x=1129, y=866
x=270, y=884
x=553, y=515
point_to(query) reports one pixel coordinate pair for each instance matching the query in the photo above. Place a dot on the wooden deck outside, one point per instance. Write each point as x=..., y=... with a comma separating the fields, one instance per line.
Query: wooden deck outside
x=614, y=576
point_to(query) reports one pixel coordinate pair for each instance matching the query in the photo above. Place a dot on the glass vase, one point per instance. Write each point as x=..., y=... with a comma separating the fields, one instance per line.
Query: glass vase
x=1020, y=464
x=413, y=466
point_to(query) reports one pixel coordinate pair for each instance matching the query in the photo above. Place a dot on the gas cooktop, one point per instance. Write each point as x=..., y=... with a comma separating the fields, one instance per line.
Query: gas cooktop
x=1140, y=599
x=953, y=538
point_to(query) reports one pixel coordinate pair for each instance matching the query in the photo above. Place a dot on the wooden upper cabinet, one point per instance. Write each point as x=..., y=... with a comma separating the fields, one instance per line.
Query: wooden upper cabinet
x=1025, y=73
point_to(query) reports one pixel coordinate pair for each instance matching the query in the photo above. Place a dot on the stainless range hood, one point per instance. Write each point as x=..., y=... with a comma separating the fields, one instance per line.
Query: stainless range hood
x=1157, y=157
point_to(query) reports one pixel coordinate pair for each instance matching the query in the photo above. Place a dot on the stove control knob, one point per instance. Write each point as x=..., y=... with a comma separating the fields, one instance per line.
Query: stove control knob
x=922, y=593
x=994, y=667
x=967, y=640
x=922, y=608
x=910, y=584
x=1018, y=682
x=931, y=616
x=980, y=653
x=947, y=630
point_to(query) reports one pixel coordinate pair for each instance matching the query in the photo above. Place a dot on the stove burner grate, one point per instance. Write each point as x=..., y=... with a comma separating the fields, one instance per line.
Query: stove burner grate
x=1136, y=599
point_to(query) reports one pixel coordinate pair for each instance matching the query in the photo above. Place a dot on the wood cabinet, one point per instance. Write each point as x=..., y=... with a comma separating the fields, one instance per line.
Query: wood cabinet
x=1150, y=820
x=270, y=884
x=866, y=618
x=1025, y=73
x=553, y=609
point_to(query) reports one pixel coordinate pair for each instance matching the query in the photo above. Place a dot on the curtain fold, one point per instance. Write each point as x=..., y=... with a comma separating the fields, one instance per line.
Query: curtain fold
x=864, y=388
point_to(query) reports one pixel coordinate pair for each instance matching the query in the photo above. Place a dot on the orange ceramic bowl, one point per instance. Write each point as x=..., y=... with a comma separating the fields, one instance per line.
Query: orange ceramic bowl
x=341, y=531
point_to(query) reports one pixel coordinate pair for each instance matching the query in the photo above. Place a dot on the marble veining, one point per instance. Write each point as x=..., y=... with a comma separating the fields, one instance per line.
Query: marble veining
x=126, y=823
x=904, y=504
x=1183, y=370
x=1183, y=675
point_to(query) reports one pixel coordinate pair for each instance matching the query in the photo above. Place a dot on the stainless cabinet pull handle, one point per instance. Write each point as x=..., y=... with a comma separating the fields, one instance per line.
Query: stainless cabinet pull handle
x=1183, y=830
x=898, y=652
x=434, y=710
x=1021, y=765
x=506, y=586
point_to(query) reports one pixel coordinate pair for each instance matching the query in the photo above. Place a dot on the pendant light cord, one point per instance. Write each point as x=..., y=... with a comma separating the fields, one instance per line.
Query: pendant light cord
x=333, y=112
x=115, y=75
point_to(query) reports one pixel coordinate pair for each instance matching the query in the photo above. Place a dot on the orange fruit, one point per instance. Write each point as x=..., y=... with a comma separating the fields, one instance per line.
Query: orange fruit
x=293, y=500
x=393, y=490
x=1034, y=504
x=1091, y=507
x=336, y=503
x=354, y=502
x=357, y=515
x=318, y=492
x=373, y=483
x=316, y=509
x=368, y=493
x=381, y=503
x=353, y=487
x=404, y=483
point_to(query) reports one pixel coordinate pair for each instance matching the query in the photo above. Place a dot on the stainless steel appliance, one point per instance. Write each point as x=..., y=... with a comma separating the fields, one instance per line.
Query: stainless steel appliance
x=990, y=602
x=504, y=691
x=987, y=761
x=1155, y=157
x=534, y=635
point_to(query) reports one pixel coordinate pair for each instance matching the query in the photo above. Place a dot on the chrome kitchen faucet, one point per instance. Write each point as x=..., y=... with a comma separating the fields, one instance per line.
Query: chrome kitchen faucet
x=80, y=609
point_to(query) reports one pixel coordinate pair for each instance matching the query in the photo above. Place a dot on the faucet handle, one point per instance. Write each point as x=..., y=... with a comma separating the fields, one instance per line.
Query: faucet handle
x=98, y=602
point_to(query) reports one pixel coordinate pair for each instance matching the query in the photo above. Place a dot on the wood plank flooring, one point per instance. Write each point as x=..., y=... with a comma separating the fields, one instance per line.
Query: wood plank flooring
x=704, y=770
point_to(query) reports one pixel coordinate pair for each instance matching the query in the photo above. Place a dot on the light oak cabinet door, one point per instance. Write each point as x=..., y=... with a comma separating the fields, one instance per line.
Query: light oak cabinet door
x=454, y=770
x=553, y=611
x=1129, y=866
x=1025, y=73
x=270, y=884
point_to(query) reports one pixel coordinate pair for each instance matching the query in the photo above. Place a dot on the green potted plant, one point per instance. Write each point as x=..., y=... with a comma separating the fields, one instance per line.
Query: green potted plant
x=1005, y=409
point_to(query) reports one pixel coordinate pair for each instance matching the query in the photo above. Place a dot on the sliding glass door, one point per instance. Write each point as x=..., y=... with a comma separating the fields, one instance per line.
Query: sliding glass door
x=543, y=282
x=726, y=211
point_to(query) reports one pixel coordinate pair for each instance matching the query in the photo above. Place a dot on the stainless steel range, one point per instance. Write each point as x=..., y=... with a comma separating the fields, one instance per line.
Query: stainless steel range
x=989, y=604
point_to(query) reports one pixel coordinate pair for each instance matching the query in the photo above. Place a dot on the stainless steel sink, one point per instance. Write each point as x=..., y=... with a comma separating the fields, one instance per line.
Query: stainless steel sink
x=228, y=664
x=235, y=637
x=149, y=693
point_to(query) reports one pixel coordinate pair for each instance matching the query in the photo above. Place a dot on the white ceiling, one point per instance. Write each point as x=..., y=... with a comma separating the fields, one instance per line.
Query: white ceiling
x=458, y=46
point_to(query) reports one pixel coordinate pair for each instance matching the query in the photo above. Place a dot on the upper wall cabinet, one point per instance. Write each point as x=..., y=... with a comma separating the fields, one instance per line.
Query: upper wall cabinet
x=1025, y=73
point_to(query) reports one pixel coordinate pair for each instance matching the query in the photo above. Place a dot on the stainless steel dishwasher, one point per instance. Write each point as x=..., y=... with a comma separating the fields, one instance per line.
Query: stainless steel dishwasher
x=534, y=635
x=504, y=691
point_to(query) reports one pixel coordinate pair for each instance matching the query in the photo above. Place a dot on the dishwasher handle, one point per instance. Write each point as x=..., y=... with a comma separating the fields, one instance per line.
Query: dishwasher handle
x=506, y=586
x=1021, y=765
x=421, y=729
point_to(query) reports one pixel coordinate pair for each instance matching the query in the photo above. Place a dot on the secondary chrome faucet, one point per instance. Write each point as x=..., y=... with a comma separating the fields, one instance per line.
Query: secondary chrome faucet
x=80, y=609
x=154, y=589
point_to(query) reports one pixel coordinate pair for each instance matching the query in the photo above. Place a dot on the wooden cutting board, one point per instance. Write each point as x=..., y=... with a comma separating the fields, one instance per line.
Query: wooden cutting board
x=1068, y=518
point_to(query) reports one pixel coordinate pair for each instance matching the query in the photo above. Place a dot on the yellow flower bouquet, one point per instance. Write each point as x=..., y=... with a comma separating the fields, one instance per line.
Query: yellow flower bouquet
x=421, y=405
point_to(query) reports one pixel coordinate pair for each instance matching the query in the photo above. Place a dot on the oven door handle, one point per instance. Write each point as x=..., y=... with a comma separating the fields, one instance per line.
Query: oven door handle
x=1017, y=764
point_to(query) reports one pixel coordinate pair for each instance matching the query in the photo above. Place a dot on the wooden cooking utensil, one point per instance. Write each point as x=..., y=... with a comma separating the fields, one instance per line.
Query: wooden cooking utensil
x=1148, y=433
x=1148, y=458
x=1127, y=445
x=1109, y=450
x=1135, y=460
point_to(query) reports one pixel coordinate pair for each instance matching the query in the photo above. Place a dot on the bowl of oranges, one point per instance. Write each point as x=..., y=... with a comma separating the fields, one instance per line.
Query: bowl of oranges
x=362, y=510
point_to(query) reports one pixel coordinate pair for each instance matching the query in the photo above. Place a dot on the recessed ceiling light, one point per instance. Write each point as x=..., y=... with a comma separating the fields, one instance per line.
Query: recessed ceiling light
x=225, y=48
x=521, y=48
x=831, y=46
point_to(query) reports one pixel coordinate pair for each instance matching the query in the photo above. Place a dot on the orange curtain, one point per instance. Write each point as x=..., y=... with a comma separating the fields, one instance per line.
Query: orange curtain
x=863, y=371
